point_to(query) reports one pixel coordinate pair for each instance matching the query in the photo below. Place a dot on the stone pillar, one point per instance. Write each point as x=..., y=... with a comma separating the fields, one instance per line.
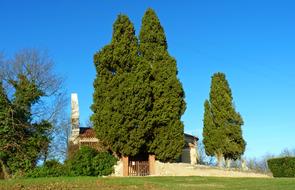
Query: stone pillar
x=125, y=166
x=75, y=111
x=152, y=164
x=193, y=155
x=75, y=124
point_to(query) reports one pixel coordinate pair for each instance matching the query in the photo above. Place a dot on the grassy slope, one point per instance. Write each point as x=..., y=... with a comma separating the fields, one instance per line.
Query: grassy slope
x=150, y=183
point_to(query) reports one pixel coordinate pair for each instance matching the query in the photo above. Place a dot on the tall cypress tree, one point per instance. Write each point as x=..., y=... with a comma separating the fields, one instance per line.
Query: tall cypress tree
x=222, y=124
x=168, y=105
x=122, y=93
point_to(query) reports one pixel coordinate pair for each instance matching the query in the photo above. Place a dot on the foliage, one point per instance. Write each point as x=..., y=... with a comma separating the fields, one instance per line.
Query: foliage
x=138, y=100
x=85, y=162
x=26, y=119
x=50, y=168
x=104, y=163
x=122, y=92
x=89, y=162
x=166, y=139
x=260, y=164
x=23, y=140
x=212, y=136
x=282, y=167
x=7, y=135
x=222, y=124
x=38, y=68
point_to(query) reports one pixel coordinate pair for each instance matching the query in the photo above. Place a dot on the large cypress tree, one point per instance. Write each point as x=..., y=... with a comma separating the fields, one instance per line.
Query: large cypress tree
x=122, y=93
x=222, y=124
x=166, y=138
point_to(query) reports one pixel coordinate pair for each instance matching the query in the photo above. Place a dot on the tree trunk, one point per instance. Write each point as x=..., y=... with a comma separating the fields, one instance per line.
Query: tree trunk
x=3, y=169
x=228, y=162
x=219, y=157
x=244, y=165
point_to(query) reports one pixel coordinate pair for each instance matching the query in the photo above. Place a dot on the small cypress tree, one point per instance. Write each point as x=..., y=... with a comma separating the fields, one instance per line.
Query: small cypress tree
x=222, y=124
x=166, y=138
x=122, y=92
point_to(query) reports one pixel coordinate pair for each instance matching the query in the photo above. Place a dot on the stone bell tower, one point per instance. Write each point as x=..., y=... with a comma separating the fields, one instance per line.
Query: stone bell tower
x=75, y=123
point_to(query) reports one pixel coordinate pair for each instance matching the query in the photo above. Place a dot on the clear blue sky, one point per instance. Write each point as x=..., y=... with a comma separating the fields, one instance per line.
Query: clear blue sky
x=252, y=42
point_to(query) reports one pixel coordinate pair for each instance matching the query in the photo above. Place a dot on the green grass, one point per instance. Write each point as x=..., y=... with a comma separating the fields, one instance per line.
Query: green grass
x=150, y=183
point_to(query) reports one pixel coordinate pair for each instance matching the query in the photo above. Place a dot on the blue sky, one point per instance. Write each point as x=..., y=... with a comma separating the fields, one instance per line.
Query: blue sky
x=251, y=41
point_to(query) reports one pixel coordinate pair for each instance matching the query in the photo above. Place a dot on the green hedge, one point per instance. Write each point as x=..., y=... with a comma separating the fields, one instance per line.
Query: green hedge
x=282, y=167
x=84, y=162
x=90, y=162
x=51, y=168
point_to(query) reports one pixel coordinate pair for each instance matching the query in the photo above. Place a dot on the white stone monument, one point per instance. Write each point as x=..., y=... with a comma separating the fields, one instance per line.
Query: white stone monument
x=75, y=123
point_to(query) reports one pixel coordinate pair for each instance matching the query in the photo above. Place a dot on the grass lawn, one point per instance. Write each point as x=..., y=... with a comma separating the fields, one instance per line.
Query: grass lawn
x=150, y=183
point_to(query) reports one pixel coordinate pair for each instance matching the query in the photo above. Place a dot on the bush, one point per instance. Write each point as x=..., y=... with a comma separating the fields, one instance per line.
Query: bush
x=282, y=167
x=51, y=168
x=89, y=162
x=104, y=163
x=84, y=162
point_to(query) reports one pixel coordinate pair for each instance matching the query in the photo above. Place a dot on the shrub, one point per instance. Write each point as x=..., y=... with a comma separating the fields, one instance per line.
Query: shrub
x=51, y=168
x=81, y=162
x=282, y=167
x=104, y=163
x=89, y=162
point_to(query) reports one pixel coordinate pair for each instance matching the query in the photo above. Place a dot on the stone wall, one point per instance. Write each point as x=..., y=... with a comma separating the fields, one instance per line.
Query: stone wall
x=183, y=169
x=118, y=169
x=189, y=155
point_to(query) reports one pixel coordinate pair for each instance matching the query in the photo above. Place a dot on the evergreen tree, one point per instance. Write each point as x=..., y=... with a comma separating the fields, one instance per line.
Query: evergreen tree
x=6, y=131
x=22, y=139
x=222, y=124
x=166, y=138
x=122, y=93
x=31, y=98
x=213, y=137
x=236, y=145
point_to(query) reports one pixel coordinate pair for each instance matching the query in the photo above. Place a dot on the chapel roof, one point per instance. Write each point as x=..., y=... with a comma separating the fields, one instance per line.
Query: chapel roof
x=87, y=132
